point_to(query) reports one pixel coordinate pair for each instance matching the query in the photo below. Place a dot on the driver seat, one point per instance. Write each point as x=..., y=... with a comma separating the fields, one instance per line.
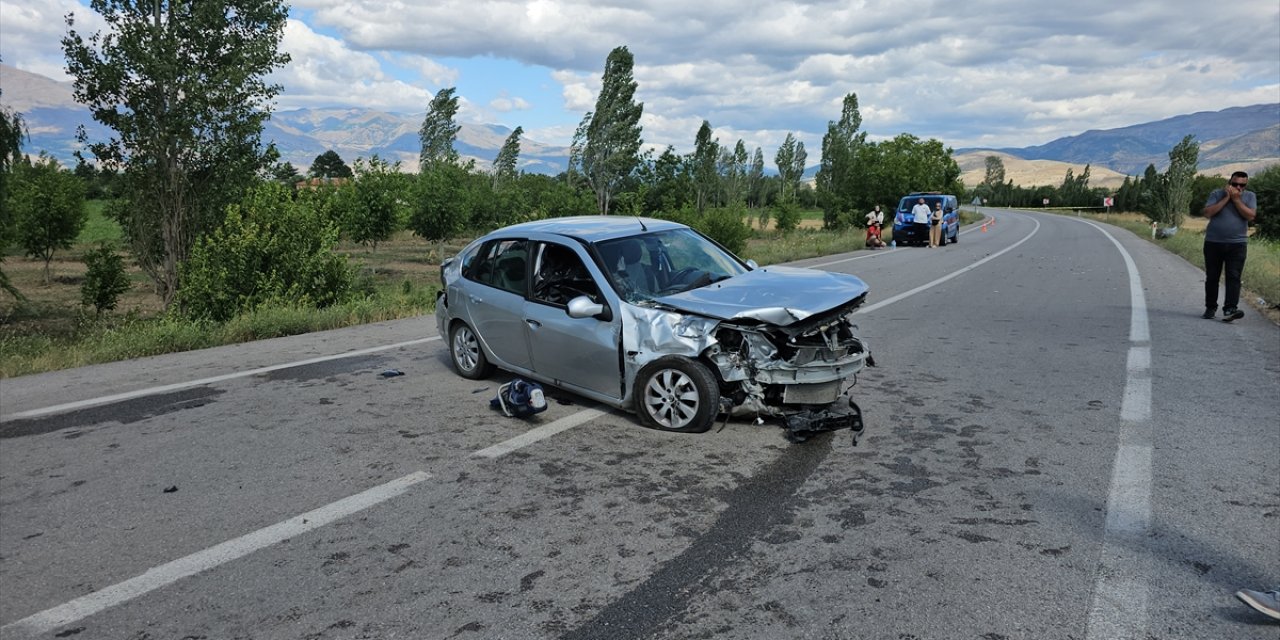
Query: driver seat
x=639, y=276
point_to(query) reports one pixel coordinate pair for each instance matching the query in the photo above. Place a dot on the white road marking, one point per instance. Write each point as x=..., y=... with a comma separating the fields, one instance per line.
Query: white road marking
x=171, y=572
x=543, y=432
x=1121, y=592
x=177, y=386
x=872, y=255
x=954, y=274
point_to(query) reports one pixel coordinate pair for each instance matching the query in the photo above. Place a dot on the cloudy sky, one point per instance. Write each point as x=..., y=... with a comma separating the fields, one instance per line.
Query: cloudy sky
x=980, y=73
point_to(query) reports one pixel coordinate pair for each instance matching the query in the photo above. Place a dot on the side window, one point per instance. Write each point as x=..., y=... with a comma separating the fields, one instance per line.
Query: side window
x=509, y=265
x=560, y=276
x=501, y=264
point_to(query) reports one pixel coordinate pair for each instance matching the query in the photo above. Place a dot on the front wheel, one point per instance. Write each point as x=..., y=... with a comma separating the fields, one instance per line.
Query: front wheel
x=676, y=394
x=467, y=354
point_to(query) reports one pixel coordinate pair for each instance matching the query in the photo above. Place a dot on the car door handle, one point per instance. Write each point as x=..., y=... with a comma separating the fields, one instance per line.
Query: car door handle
x=475, y=299
x=533, y=324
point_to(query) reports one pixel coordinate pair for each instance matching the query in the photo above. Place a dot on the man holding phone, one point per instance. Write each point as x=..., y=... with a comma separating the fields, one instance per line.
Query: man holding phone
x=1226, y=243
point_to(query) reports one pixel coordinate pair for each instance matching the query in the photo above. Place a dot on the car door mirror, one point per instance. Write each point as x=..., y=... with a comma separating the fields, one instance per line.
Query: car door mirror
x=751, y=264
x=583, y=307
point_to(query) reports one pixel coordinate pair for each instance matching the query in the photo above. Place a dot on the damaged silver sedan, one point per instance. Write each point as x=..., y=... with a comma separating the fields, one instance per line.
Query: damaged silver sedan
x=652, y=317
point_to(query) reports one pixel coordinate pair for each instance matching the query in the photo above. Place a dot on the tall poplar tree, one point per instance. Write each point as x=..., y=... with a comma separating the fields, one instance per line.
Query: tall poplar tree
x=790, y=159
x=609, y=139
x=504, y=166
x=439, y=130
x=836, y=179
x=182, y=87
x=706, y=179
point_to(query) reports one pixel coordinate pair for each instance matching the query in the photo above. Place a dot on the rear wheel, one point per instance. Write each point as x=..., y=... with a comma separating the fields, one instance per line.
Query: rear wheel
x=467, y=355
x=676, y=394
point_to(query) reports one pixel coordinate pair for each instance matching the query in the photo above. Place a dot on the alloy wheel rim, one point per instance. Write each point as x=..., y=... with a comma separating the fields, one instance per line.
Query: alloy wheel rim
x=465, y=349
x=671, y=399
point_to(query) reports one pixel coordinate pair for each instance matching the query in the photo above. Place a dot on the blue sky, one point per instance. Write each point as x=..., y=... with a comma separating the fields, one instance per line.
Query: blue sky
x=982, y=73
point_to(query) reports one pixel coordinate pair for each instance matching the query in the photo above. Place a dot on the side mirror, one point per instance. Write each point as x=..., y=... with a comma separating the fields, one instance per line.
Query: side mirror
x=751, y=264
x=583, y=307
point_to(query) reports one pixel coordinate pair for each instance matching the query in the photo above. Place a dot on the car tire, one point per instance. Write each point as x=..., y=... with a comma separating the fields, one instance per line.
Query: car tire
x=467, y=354
x=676, y=394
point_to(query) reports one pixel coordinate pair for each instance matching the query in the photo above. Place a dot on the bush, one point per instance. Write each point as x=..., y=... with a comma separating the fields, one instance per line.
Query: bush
x=786, y=217
x=726, y=226
x=105, y=279
x=270, y=250
x=1266, y=184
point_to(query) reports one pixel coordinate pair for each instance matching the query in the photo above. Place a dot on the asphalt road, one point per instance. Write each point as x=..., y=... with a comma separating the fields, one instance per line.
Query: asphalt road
x=1057, y=446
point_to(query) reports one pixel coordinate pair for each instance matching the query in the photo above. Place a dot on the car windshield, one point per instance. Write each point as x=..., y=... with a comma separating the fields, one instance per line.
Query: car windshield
x=663, y=263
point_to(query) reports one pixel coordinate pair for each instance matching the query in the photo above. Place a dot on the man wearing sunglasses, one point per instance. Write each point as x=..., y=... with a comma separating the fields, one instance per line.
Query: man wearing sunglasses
x=1226, y=243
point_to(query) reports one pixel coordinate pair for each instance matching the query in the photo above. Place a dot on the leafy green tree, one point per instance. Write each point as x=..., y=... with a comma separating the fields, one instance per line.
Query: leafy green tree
x=904, y=164
x=706, y=179
x=504, y=165
x=329, y=165
x=271, y=250
x=12, y=133
x=443, y=202
x=608, y=142
x=47, y=202
x=439, y=130
x=1171, y=197
x=1266, y=184
x=105, y=279
x=182, y=87
x=790, y=160
x=285, y=173
x=371, y=207
x=994, y=175
x=668, y=185
x=836, y=179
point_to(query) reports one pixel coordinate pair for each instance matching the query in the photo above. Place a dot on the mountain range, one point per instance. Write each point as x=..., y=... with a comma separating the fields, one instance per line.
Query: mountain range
x=1245, y=138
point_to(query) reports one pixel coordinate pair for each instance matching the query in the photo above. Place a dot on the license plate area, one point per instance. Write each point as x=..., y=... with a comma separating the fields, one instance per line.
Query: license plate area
x=821, y=393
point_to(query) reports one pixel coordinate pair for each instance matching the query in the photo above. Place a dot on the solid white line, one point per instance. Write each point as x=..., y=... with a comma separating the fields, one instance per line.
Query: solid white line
x=872, y=255
x=129, y=395
x=953, y=274
x=1121, y=592
x=171, y=572
x=543, y=432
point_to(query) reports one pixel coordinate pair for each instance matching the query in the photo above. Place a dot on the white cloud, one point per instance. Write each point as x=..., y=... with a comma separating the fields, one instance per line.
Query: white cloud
x=979, y=73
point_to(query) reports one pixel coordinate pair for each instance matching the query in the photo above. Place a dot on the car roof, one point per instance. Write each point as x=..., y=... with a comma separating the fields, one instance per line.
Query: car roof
x=591, y=228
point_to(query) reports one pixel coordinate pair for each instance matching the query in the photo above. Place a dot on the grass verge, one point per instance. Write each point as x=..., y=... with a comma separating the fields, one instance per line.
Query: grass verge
x=1261, y=277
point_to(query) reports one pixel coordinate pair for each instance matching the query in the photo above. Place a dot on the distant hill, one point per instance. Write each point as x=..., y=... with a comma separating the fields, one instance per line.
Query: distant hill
x=1031, y=173
x=1245, y=138
x=52, y=116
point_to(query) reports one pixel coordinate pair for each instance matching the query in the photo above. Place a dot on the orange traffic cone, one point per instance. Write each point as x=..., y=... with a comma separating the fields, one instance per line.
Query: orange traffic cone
x=984, y=227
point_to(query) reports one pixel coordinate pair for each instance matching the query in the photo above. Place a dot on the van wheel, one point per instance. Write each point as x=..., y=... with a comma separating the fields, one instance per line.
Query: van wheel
x=676, y=394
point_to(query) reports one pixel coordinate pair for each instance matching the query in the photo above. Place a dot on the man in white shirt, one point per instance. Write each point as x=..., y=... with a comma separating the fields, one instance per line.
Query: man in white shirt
x=920, y=216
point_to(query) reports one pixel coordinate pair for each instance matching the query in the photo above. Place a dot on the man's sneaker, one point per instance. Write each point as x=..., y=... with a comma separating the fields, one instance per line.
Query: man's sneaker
x=1208, y=313
x=1231, y=314
x=1266, y=602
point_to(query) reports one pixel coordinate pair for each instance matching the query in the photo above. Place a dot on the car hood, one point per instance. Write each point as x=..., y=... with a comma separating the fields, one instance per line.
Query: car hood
x=781, y=296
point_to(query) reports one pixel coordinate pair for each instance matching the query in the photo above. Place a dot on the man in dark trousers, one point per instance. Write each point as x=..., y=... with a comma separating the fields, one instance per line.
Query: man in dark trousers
x=1226, y=243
